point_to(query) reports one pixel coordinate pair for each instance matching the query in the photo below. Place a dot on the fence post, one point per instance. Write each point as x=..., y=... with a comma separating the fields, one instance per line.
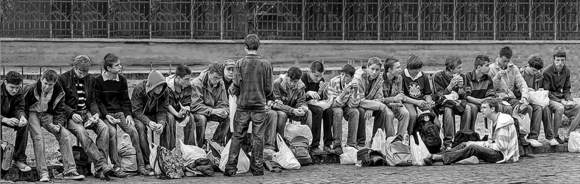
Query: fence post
x=192, y=3
x=530, y=18
x=379, y=21
x=343, y=19
x=454, y=19
x=72, y=5
x=494, y=19
x=555, y=19
x=303, y=19
x=419, y=17
x=222, y=29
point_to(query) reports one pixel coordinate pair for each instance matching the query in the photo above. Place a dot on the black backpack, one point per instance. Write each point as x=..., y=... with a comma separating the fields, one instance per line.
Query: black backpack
x=465, y=136
x=82, y=161
x=370, y=157
x=429, y=132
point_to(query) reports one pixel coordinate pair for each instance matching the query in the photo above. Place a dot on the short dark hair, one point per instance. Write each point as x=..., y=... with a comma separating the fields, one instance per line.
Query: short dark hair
x=506, y=51
x=536, y=62
x=492, y=102
x=374, y=61
x=13, y=77
x=109, y=60
x=480, y=60
x=252, y=42
x=216, y=68
x=451, y=62
x=389, y=63
x=559, y=53
x=182, y=70
x=414, y=62
x=294, y=73
x=50, y=75
x=316, y=66
x=348, y=69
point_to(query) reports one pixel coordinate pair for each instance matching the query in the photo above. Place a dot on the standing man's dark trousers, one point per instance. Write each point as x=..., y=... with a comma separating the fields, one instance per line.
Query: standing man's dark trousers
x=241, y=123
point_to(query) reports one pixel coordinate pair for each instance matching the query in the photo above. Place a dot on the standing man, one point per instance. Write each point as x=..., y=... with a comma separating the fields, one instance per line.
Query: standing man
x=112, y=98
x=82, y=113
x=252, y=84
x=210, y=103
x=13, y=116
x=394, y=98
x=557, y=81
x=480, y=84
x=179, y=94
x=451, y=81
x=45, y=102
x=347, y=100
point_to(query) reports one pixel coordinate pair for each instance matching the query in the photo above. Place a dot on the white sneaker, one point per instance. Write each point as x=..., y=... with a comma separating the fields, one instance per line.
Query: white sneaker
x=44, y=177
x=553, y=142
x=22, y=166
x=534, y=143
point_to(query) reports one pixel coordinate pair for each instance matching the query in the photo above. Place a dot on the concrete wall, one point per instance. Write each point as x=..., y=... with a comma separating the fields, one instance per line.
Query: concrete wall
x=282, y=54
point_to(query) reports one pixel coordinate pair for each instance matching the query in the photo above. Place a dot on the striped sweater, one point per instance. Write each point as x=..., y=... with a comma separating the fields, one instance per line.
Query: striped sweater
x=504, y=139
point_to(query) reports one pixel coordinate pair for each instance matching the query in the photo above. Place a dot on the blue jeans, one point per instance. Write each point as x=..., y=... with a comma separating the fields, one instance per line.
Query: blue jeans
x=113, y=150
x=241, y=123
x=462, y=151
x=98, y=152
x=64, y=138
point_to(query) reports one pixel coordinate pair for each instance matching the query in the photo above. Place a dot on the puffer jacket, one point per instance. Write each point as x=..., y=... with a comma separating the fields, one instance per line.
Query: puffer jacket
x=206, y=97
x=291, y=97
x=145, y=103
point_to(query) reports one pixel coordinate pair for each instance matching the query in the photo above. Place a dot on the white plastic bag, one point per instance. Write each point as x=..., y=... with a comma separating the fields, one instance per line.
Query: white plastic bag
x=153, y=158
x=574, y=142
x=380, y=142
x=127, y=154
x=284, y=156
x=233, y=106
x=191, y=153
x=469, y=161
x=243, y=160
x=418, y=150
x=294, y=129
x=524, y=121
x=539, y=97
x=324, y=104
x=348, y=157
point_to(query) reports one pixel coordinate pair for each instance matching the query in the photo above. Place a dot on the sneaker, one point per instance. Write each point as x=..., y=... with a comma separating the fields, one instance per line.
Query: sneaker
x=268, y=154
x=316, y=151
x=553, y=142
x=144, y=172
x=44, y=177
x=560, y=140
x=73, y=175
x=523, y=142
x=106, y=174
x=118, y=172
x=338, y=150
x=428, y=160
x=534, y=143
x=230, y=172
x=328, y=150
x=22, y=166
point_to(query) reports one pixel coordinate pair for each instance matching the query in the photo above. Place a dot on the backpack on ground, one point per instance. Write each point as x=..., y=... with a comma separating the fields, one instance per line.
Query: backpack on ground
x=429, y=132
x=398, y=153
x=465, y=136
x=82, y=161
x=170, y=164
x=370, y=157
x=299, y=147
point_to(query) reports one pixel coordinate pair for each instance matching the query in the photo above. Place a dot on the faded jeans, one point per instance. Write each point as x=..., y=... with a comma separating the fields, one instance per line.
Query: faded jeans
x=449, y=123
x=64, y=138
x=352, y=116
x=97, y=152
x=241, y=123
x=270, y=132
x=332, y=127
x=559, y=110
x=144, y=140
x=113, y=150
x=380, y=112
x=20, y=143
x=538, y=115
x=462, y=151
x=221, y=135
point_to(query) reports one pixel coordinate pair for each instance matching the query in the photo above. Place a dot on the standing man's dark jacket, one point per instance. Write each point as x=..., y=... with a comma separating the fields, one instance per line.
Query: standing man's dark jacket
x=11, y=106
x=145, y=103
x=68, y=81
x=558, y=83
x=56, y=106
x=252, y=91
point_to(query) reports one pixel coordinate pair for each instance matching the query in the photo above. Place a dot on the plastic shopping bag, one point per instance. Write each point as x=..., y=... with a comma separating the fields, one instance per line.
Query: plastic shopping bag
x=284, y=156
x=153, y=157
x=524, y=121
x=191, y=153
x=418, y=150
x=574, y=142
x=539, y=97
x=233, y=106
x=243, y=160
x=294, y=129
x=380, y=142
x=348, y=157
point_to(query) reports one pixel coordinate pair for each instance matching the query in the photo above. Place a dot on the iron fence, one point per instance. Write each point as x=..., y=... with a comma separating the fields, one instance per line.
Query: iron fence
x=293, y=19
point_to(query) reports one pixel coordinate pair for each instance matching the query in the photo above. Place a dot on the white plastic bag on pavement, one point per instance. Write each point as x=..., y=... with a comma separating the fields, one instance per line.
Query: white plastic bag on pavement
x=469, y=161
x=348, y=157
x=294, y=129
x=243, y=160
x=574, y=142
x=233, y=106
x=418, y=150
x=191, y=153
x=153, y=157
x=284, y=156
x=380, y=142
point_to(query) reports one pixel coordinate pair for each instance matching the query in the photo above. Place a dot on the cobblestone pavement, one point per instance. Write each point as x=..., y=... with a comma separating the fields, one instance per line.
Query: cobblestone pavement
x=544, y=168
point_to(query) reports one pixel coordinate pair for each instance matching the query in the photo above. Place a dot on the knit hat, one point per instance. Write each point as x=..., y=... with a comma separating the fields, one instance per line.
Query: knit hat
x=154, y=79
x=82, y=62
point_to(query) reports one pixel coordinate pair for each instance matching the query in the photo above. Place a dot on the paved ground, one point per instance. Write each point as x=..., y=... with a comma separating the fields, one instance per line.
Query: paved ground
x=544, y=168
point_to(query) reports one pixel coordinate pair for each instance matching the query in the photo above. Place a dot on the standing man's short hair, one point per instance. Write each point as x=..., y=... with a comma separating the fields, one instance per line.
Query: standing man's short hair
x=414, y=62
x=13, y=77
x=536, y=62
x=50, y=75
x=506, y=51
x=252, y=42
x=480, y=60
x=216, y=68
x=182, y=71
x=294, y=73
x=316, y=66
x=348, y=69
x=451, y=62
x=109, y=60
x=559, y=53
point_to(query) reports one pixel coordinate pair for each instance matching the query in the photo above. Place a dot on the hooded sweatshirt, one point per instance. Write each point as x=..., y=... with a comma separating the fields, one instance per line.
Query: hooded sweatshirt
x=145, y=103
x=504, y=139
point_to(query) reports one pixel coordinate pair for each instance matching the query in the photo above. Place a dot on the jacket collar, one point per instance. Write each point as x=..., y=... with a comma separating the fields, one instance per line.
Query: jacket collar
x=116, y=78
x=170, y=82
x=553, y=68
x=473, y=76
x=413, y=78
